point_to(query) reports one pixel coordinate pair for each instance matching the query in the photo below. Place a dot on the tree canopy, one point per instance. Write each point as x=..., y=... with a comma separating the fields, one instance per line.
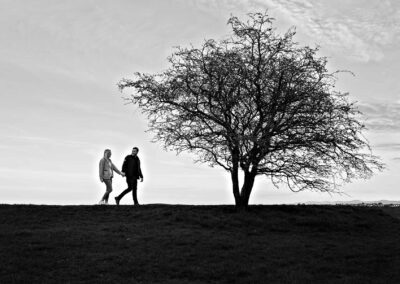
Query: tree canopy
x=259, y=102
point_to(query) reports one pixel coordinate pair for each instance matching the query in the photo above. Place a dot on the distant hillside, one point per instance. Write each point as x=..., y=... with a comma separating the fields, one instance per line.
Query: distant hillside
x=357, y=202
x=198, y=244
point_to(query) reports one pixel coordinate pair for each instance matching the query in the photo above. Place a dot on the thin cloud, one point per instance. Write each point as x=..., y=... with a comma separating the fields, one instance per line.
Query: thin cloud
x=41, y=174
x=388, y=146
x=381, y=116
x=46, y=141
x=359, y=29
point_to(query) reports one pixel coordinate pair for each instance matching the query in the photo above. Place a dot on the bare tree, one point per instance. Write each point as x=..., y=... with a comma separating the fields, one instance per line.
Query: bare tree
x=259, y=102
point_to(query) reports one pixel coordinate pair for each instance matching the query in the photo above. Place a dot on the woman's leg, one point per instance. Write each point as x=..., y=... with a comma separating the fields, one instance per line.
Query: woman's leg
x=108, y=183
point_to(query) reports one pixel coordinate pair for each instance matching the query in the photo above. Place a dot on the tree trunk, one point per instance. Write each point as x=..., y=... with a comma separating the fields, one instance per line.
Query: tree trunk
x=235, y=187
x=235, y=176
x=247, y=187
x=241, y=197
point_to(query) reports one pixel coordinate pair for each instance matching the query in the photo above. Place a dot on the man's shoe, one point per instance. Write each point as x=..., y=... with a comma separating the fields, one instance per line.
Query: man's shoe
x=116, y=200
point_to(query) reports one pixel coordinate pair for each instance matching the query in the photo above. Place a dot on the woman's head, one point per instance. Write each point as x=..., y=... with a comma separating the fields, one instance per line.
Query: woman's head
x=107, y=153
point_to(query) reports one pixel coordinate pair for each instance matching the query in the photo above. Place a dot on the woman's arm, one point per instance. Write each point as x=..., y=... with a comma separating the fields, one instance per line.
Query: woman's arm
x=115, y=169
x=101, y=169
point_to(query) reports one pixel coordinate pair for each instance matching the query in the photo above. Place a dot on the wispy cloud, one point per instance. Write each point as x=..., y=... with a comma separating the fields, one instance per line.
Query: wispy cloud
x=41, y=174
x=381, y=116
x=19, y=140
x=359, y=30
x=390, y=146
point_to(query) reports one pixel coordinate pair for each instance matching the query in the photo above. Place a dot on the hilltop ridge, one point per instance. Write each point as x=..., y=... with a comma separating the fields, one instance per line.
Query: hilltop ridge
x=199, y=244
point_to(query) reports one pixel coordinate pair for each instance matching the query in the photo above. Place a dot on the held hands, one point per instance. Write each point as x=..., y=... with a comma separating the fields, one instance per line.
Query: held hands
x=123, y=174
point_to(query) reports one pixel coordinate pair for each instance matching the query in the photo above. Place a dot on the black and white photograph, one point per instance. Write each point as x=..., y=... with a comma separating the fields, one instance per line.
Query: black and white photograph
x=200, y=141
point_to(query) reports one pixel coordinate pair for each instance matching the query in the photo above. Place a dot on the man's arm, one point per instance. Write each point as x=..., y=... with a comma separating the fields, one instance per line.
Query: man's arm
x=140, y=170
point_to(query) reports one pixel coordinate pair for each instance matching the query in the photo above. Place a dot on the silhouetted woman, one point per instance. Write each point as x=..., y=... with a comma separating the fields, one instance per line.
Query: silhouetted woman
x=106, y=169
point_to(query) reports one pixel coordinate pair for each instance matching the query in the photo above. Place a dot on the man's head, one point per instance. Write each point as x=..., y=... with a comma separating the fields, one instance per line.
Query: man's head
x=135, y=151
x=107, y=153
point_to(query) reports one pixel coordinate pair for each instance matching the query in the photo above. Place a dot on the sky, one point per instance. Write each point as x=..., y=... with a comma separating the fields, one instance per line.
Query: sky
x=60, y=106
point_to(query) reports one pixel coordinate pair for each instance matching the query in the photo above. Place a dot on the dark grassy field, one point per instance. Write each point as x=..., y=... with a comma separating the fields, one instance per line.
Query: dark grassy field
x=198, y=244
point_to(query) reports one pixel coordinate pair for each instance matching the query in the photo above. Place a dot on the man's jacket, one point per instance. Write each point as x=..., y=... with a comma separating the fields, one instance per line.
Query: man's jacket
x=131, y=167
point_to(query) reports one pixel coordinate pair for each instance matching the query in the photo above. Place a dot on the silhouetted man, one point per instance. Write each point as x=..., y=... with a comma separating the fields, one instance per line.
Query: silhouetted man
x=131, y=169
